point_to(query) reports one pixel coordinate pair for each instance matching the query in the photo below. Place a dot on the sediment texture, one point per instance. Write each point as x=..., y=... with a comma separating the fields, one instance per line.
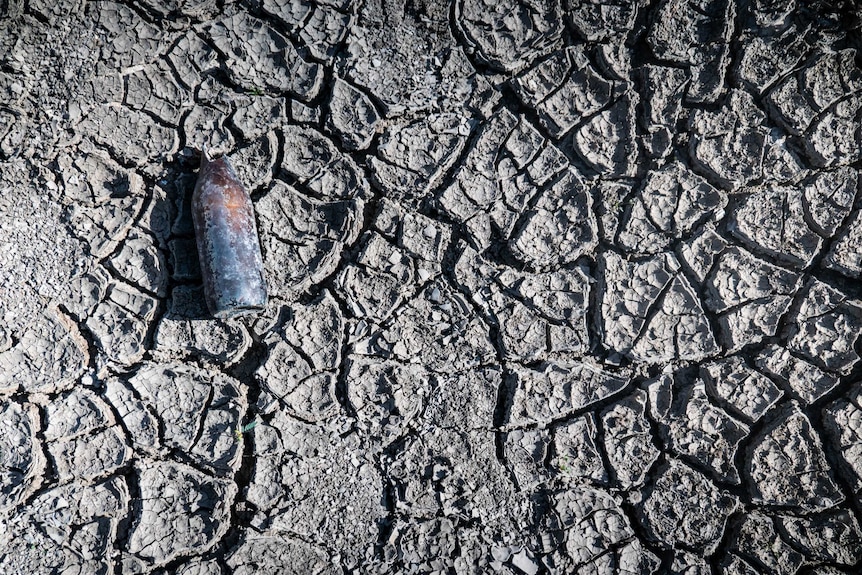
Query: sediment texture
x=556, y=286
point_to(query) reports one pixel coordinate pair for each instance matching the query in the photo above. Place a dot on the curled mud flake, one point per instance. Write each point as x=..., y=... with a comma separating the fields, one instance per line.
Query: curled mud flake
x=671, y=204
x=90, y=456
x=662, y=94
x=700, y=252
x=104, y=84
x=426, y=238
x=678, y=329
x=846, y=254
x=104, y=199
x=760, y=542
x=681, y=507
x=48, y=357
x=696, y=34
x=687, y=563
x=190, y=57
x=771, y=14
x=292, y=13
x=325, y=29
x=199, y=566
x=386, y=395
x=318, y=165
x=787, y=465
x=302, y=359
x=120, y=324
x=275, y=554
x=774, y=222
x=781, y=163
x=154, y=90
x=694, y=428
x=523, y=144
x=81, y=523
x=750, y=295
x=509, y=167
x=730, y=143
x=303, y=238
x=261, y=59
x=607, y=141
x=196, y=410
x=509, y=35
x=129, y=40
x=204, y=127
x=257, y=116
x=377, y=283
x=833, y=536
x=304, y=228
x=302, y=113
x=613, y=199
x=798, y=100
x=559, y=229
x=577, y=456
x=177, y=499
x=352, y=116
x=187, y=328
x=471, y=198
x=747, y=391
x=835, y=138
x=317, y=26
x=597, y=20
x=650, y=311
x=525, y=453
x=829, y=197
x=766, y=59
x=102, y=227
x=142, y=263
x=564, y=89
x=826, y=329
x=21, y=460
x=426, y=329
x=133, y=136
x=228, y=247
x=628, y=440
x=139, y=421
x=412, y=156
x=735, y=564
x=807, y=381
x=540, y=315
x=843, y=422
x=555, y=391
x=597, y=533
x=255, y=161
x=625, y=316
x=75, y=413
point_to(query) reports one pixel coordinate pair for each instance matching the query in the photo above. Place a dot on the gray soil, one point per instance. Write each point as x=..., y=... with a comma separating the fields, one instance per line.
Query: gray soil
x=556, y=286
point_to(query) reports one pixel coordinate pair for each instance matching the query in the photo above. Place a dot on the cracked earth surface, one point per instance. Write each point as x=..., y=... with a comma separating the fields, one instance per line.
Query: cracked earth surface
x=557, y=286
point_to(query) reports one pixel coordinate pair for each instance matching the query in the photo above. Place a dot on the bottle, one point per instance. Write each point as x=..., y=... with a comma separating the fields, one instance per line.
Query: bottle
x=227, y=241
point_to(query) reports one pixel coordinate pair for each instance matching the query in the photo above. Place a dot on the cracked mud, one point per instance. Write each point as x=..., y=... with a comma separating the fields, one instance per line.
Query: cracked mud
x=563, y=286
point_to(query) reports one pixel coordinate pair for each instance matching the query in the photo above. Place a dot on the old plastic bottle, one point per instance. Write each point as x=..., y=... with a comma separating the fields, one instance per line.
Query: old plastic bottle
x=228, y=245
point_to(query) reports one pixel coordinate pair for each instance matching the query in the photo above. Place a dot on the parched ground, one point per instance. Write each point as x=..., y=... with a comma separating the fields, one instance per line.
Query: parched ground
x=557, y=286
